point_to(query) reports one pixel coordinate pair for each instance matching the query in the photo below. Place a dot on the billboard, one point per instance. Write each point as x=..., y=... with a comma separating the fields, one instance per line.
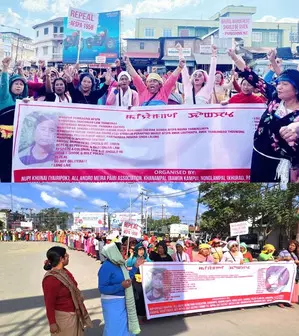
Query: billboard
x=106, y=41
x=90, y=220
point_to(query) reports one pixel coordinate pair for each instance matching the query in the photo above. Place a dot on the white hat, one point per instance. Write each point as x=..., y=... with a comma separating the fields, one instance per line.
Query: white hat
x=124, y=73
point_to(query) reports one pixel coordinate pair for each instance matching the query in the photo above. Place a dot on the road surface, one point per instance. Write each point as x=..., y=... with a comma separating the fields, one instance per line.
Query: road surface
x=23, y=312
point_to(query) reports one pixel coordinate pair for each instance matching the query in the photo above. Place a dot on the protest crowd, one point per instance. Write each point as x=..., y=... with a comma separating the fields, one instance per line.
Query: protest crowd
x=275, y=151
x=130, y=254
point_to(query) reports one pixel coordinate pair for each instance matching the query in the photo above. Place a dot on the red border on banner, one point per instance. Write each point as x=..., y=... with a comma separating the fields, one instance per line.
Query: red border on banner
x=131, y=175
x=172, y=307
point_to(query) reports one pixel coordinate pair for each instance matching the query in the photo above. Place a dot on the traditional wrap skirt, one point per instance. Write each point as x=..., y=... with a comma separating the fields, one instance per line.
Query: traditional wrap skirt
x=68, y=323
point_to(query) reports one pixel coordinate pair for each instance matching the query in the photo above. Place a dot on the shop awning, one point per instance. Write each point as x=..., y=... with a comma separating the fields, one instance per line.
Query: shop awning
x=222, y=59
x=142, y=55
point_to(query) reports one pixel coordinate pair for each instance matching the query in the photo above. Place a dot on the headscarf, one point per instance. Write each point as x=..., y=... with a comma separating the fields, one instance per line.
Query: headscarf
x=244, y=246
x=215, y=241
x=205, y=75
x=112, y=253
x=124, y=73
x=154, y=76
x=291, y=76
x=231, y=243
x=181, y=243
x=137, y=247
x=204, y=246
x=268, y=249
x=24, y=94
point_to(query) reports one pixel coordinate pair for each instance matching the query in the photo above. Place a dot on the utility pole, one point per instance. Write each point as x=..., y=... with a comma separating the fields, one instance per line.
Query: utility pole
x=105, y=207
x=141, y=210
x=197, y=208
x=162, y=214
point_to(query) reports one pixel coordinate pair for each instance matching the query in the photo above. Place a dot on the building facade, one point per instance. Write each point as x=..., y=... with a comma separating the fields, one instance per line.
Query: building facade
x=264, y=34
x=16, y=46
x=48, y=41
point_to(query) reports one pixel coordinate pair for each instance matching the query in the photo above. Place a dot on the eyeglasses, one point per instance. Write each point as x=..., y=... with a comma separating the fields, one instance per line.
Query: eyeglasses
x=235, y=246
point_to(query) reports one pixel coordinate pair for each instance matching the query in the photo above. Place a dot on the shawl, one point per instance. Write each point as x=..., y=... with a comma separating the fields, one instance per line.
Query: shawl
x=112, y=253
x=77, y=297
x=67, y=96
x=124, y=99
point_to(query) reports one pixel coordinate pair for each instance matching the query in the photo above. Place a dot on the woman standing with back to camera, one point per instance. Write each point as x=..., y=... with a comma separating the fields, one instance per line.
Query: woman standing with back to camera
x=66, y=312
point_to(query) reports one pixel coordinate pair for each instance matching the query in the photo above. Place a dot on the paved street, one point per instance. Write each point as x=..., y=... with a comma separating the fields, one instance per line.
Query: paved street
x=23, y=312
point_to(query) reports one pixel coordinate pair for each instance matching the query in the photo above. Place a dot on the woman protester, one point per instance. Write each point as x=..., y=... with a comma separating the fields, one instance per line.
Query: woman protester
x=246, y=96
x=180, y=255
x=154, y=91
x=199, y=88
x=289, y=254
x=275, y=149
x=123, y=95
x=86, y=93
x=139, y=253
x=57, y=91
x=66, y=312
x=221, y=88
x=204, y=254
x=247, y=257
x=161, y=254
x=267, y=253
x=12, y=88
x=233, y=255
x=216, y=250
x=117, y=295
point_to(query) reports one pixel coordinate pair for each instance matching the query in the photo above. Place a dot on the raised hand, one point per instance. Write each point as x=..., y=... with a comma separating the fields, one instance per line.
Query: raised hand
x=108, y=77
x=271, y=55
x=117, y=63
x=182, y=63
x=214, y=50
x=41, y=64
x=139, y=262
x=6, y=62
x=231, y=53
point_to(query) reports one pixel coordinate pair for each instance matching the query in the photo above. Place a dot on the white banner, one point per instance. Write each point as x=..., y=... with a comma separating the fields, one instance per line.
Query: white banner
x=101, y=59
x=185, y=288
x=81, y=20
x=239, y=228
x=235, y=27
x=131, y=230
x=90, y=143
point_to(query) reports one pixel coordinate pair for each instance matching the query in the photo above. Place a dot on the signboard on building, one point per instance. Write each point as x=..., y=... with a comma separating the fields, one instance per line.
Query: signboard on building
x=100, y=59
x=105, y=41
x=231, y=27
x=205, y=49
x=90, y=219
x=238, y=228
x=187, y=52
x=27, y=225
x=81, y=20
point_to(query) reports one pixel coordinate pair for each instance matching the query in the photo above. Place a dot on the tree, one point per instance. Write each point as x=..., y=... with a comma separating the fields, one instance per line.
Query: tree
x=1, y=225
x=156, y=224
x=267, y=206
x=50, y=218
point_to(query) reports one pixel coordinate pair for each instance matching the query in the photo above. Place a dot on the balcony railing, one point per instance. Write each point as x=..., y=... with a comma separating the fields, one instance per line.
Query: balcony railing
x=58, y=36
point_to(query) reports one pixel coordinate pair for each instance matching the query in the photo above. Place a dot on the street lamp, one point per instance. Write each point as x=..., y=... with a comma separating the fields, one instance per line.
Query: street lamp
x=19, y=31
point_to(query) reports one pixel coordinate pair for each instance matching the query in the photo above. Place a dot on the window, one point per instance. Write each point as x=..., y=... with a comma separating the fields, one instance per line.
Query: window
x=37, y=33
x=167, y=32
x=184, y=32
x=142, y=45
x=45, y=51
x=149, y=32
x=36, y=51
x=55, y=30
x=55, y=50
x=257, y=37
x=273, y=37
x=46, y=31
x=61, y=29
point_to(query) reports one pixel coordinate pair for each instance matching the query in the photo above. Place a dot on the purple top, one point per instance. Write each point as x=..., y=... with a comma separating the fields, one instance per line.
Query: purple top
x=286, y=253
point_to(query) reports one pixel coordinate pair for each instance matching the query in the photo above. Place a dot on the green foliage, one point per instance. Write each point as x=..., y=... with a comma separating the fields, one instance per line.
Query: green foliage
x=1, y=225
x=49, y=218
x=156, y=224
x=268, y=206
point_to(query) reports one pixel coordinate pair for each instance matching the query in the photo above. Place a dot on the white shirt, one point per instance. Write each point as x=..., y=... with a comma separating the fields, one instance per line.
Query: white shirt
x=228, y=257
x=180, y=258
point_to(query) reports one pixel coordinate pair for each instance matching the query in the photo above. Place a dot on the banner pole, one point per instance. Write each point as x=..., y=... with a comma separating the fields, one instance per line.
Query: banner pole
x=79, y=47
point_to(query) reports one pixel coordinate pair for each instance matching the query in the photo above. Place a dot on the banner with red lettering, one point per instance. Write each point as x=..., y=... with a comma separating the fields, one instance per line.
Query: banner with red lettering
x=183, y=288
x=81, y=20
x=56, y=142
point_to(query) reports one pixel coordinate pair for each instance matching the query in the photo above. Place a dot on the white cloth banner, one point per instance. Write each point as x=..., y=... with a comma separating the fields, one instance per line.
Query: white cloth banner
x=89, y=143
x=81, y=20
x=185, y=288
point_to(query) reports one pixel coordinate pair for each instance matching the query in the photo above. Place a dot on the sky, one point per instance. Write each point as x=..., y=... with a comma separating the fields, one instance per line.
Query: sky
x=177, y=198
x=25, y=13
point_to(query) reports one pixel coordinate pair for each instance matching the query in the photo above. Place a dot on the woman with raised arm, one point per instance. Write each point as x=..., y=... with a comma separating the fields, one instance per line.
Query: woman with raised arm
x=86, y=93
x=199, y=88
x=154, y=92
x=275, y=149
x=58, y=90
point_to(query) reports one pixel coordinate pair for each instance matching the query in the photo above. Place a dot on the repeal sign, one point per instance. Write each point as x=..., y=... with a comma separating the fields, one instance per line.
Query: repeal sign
x=83, y=21
x=131, y=230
